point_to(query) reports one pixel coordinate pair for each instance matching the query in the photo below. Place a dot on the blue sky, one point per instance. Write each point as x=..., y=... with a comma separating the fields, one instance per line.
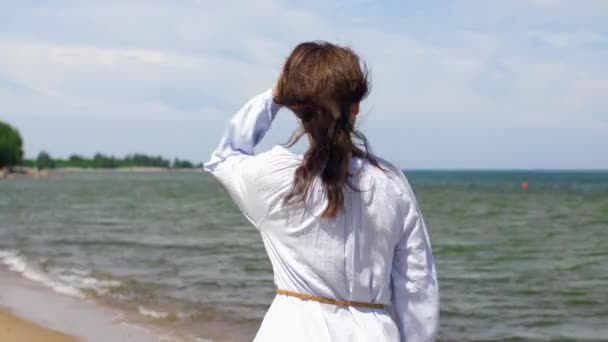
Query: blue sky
x=456, y=84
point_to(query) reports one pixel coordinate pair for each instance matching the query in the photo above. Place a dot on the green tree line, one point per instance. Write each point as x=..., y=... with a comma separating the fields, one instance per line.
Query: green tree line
x=11, y=154
x=103, y=161
x=11, y=146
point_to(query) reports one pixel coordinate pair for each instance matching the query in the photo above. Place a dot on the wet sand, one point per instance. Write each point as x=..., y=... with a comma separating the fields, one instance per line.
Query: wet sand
x=15, y=329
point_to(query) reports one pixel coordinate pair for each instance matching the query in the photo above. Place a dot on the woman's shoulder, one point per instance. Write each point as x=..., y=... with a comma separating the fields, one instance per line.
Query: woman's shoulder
x=282, y=151
x=281, y=154
x=395, y=180
x=277, y=159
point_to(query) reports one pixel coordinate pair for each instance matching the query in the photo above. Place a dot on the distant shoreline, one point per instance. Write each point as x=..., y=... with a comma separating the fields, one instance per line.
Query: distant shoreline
x=22, y=171
x=32, y=172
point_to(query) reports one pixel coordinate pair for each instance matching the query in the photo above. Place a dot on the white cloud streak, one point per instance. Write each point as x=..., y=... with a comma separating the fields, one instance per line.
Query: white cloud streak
x=199, y=60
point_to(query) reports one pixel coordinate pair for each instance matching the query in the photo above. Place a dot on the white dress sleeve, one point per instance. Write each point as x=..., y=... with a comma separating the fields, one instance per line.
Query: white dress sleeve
x=234, y=163
x=415, y=292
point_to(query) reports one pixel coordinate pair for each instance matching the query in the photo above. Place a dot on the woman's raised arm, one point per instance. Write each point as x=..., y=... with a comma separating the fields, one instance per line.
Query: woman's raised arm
x=233, y=161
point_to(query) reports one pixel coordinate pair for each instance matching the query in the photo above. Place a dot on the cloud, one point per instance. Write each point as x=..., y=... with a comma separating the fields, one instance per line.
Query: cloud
x=196, y=54
x=589, y=7
x=454, y=73
x=562, y=40
x=99, y=77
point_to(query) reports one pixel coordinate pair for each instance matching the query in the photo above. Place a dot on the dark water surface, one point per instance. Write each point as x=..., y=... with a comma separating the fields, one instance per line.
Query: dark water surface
x=513, y=264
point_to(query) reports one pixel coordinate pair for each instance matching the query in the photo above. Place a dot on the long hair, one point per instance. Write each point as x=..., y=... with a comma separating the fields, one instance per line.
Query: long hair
x=320, y=82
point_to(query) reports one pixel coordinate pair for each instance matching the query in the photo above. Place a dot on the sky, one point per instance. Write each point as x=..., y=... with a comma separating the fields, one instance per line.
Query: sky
x=455, y=84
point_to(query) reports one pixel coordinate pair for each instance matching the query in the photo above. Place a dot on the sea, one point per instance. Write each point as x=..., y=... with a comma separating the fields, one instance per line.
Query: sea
x=515, y=262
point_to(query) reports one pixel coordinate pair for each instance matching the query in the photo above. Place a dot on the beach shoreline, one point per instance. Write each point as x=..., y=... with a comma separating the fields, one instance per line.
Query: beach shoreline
x=30, y=311
x=37, y=308
x=32, y=172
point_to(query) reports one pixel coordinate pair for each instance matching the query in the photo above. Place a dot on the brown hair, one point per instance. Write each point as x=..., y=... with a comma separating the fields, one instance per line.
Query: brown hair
x=320, y=82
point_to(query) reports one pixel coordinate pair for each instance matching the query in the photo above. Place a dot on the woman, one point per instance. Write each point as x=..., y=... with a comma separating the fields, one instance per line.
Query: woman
x=346, y=239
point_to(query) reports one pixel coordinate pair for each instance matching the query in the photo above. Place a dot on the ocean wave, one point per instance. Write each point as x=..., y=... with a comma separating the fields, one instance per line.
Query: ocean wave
x=69, y=281
x=200, y=339
x=129, y=243
x=160, y=314
x=151, y=313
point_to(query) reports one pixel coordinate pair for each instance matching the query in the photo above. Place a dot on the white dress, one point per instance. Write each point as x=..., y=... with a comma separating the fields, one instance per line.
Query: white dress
x=375, y=251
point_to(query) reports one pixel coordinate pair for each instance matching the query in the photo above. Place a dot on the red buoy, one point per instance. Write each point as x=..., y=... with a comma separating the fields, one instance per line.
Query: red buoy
x=524, y=185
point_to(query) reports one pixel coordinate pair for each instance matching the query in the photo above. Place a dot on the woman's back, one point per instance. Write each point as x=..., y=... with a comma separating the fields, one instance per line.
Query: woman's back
x=347, y=256
x=351, y=255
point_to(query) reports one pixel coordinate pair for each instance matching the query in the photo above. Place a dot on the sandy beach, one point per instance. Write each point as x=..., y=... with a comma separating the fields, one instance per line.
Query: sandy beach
x=15, y=329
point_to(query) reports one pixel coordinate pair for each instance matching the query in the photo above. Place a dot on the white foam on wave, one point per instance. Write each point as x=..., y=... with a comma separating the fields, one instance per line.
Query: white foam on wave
x=68, y=281
x=151, y=313
x=72, y=281
x=160, y=314
x=157, y=335
x=82, y=279
x=18, y=263
x=200, y=339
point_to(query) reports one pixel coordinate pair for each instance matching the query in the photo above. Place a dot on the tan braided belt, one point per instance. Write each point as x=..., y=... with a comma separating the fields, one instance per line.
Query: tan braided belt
x=329, y=300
